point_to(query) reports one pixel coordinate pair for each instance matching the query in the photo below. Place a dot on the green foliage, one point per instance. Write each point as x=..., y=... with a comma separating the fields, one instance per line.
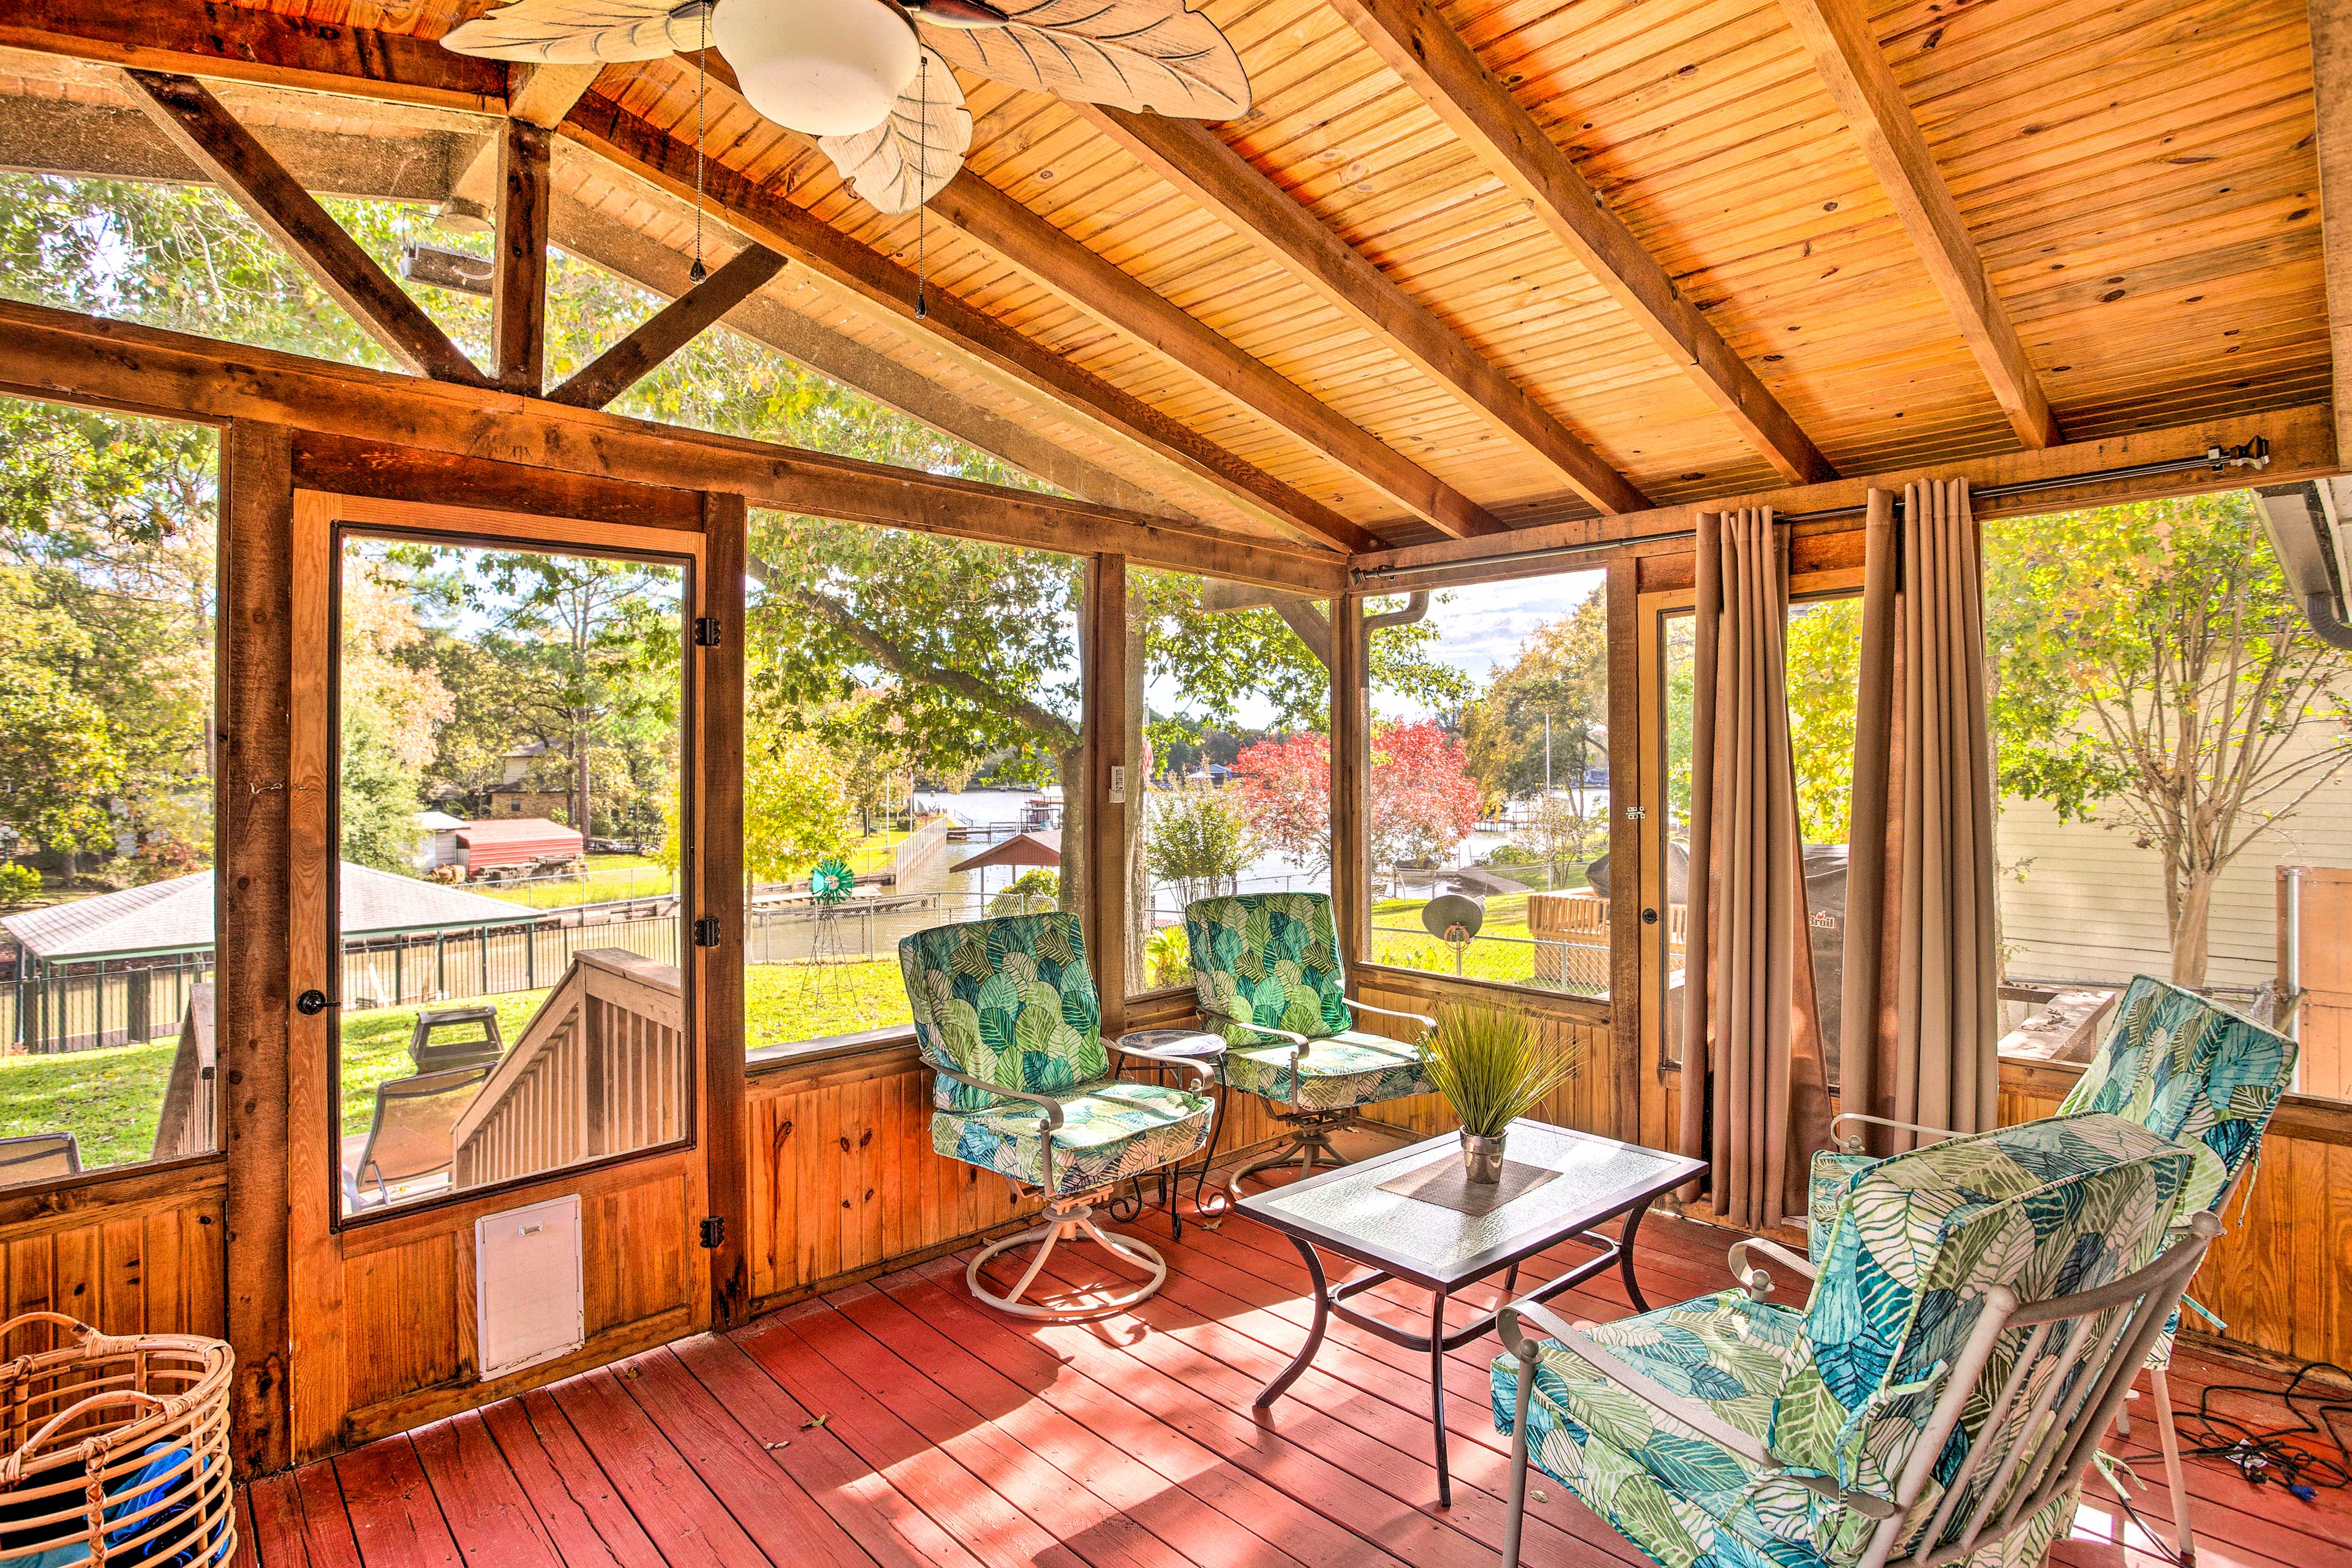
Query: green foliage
x=1198, y=840
x=2152, y=671
x=377, y=810
x=1561, y=671
x=1032, y=892
x=1494, y=1064
x=19, y=885
x=1825, y=660
x=1168, y=958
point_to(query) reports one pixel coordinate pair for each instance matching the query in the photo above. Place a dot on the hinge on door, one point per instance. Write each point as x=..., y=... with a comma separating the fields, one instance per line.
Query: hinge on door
x=714, y=1231
x=706, y=932
x=706, y=631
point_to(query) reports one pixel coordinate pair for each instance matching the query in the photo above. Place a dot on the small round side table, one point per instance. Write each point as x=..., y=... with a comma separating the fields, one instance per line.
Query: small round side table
x=1199, y=1046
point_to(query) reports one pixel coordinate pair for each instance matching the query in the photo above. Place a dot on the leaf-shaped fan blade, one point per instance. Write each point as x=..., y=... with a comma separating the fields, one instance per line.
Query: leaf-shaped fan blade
x=583, y=32
x=1130, y=53
x=905, y=161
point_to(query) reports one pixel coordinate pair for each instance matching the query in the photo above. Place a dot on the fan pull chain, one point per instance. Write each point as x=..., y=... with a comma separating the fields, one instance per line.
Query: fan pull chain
x=922, y=170
x=696, y=273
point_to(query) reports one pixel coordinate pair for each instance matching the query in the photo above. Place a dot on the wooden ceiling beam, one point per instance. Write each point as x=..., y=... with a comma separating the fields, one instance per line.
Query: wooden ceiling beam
x=1198, y=163
x=1845, y=51
x=234, y=43
x=771, y=219
x=2301, y=445
x=104, y=141
x=61, y=357
x=229, y=41
x=668, y=329
x=218, y=143
x=1440, y=67
x=519, y=283
x=2331, y=69
x=536, y=95
x=1108, y=292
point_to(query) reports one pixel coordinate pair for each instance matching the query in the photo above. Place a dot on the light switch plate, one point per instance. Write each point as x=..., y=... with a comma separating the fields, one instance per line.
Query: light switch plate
x=1119, y=785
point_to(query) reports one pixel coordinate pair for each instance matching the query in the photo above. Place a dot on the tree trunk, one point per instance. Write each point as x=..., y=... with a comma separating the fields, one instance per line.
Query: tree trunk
x=2192, y=930
x=1071, y=762
x=580, y=774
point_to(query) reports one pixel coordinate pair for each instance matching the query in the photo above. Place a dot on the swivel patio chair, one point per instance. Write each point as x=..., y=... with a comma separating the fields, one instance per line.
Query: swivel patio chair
x=1266, y=973
x=2182, y=1066
x=1008, y=1020
x=1970, y=1334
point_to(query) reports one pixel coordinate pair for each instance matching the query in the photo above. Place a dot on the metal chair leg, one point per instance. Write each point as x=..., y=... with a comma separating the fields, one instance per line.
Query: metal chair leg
x=1516, y=1517
x=2184, y=1536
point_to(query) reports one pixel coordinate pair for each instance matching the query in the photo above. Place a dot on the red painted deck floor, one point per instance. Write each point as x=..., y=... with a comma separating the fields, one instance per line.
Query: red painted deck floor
x=902, y=1424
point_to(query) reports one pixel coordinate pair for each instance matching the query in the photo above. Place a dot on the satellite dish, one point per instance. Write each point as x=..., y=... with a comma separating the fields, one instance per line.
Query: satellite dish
x=1453, y=917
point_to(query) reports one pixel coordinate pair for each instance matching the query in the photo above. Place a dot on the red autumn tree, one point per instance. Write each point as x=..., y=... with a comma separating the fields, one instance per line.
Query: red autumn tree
x=1286, y=788
x=1424, y=800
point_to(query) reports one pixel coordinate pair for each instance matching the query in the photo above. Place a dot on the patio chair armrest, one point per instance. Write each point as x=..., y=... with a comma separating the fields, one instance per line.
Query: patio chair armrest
x=1756, y=1281
x=1424, y=1019
x=1053, y=1109
x=1199, y=1067
x=1512, y=1324
x=1854, y=1145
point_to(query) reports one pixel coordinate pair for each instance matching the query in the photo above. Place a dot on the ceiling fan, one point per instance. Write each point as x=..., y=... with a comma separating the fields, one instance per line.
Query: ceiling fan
x=870, y=79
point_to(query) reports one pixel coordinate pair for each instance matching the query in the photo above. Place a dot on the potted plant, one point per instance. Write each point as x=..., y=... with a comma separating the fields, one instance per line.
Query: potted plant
x=1494, y=1065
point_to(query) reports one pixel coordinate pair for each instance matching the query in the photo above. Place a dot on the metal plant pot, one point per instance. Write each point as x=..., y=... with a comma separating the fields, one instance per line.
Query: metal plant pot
x=1482, y=1157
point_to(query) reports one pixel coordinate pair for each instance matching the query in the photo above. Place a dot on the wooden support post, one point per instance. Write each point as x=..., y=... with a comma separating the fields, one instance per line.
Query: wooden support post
x=2331, y=72
x=1104, y=817
x=718, y=740
x=1351, y=761
x=219, y=144
x=519, y=290
x=626, y=363
x=251, y=896
x=1629, y=835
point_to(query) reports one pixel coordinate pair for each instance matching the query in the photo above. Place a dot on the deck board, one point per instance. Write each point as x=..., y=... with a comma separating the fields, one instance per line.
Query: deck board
x=957, y=1436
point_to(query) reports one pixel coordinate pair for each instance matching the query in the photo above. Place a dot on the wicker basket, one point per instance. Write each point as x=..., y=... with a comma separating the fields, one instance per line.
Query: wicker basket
x=117, y=1450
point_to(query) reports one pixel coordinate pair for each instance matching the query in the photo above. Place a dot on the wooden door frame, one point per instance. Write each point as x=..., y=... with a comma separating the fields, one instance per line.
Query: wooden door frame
x=286, y=1310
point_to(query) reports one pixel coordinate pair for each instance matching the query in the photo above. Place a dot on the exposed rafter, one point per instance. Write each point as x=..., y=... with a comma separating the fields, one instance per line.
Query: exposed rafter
x=519, y=285
x=772, y=220
x=103, y=141
x=2331, y=69
x=1845, y=52
x=1196, y=161
x=250, y=46
x=59, y=356
x=215, y=141
x=1434, y=61
x=536, y=95
x=668, y=329
x=1105, y=291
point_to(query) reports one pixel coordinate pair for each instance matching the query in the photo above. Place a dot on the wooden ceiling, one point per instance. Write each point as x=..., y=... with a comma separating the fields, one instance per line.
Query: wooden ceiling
x=1340, y=318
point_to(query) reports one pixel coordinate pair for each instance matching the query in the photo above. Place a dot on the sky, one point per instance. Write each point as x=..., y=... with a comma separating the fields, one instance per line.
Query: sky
x=1481, y=628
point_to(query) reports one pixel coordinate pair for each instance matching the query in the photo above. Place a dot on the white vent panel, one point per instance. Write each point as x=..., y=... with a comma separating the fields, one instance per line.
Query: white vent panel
x=527, y=1293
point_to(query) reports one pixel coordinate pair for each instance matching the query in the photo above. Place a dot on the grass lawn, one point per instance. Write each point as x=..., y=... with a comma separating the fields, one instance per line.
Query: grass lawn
x=611, y=877
x=1512, y=962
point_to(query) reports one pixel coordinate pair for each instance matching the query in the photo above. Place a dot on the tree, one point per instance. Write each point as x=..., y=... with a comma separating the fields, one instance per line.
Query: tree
x=392, y=705
x=1201, y=840
x=1561, y=674
x=2151, y=672
x=1824, y=661
x=1560, y=827
x=1424, y=800
x=1285, y=791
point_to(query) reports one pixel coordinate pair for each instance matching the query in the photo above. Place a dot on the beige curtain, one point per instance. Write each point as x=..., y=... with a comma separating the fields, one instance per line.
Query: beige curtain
x=1921, y=1015
x=1755, y=1099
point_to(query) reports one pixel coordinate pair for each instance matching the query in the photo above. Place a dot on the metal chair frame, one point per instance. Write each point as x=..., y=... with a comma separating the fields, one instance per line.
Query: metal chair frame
x=2101, y=1335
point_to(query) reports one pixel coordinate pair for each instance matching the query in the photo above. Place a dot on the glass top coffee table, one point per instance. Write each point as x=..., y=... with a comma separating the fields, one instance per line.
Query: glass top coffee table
x=1409, y=1215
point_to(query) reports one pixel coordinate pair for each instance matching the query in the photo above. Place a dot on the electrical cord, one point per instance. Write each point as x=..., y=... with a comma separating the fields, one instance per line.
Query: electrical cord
x=2271, y=1455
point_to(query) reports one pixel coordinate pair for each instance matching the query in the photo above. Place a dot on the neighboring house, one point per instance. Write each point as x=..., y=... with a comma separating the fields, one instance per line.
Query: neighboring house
x=2090, y=903
x=530, y=770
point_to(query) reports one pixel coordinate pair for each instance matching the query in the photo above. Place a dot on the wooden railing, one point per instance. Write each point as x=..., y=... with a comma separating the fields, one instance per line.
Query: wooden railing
x=191, y=1096
x=1572, y=933
x=600, y=1069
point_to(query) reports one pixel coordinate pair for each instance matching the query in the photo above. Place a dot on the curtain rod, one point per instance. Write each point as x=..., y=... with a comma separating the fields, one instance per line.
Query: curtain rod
x=2253, y=454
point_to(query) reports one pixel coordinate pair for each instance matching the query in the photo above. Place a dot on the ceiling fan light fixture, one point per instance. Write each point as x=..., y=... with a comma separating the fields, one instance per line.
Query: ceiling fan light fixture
x=824, y=67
